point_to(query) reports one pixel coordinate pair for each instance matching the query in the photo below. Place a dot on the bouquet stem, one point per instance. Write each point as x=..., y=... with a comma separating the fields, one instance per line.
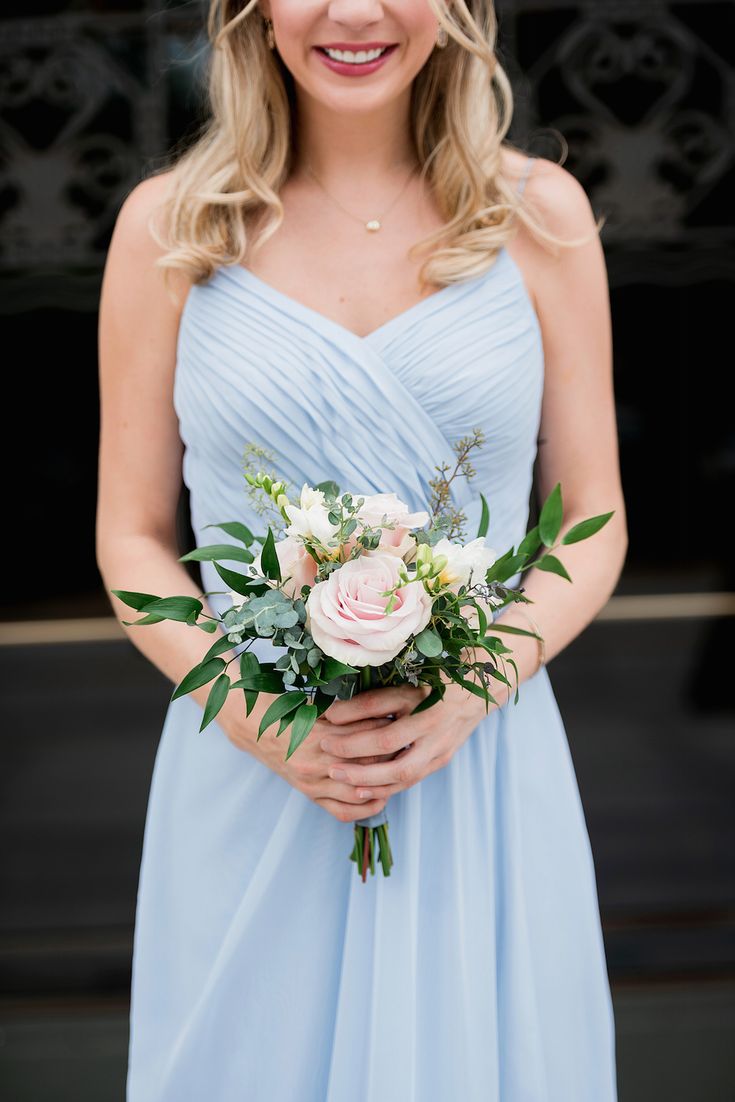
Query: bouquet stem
x=368, y=840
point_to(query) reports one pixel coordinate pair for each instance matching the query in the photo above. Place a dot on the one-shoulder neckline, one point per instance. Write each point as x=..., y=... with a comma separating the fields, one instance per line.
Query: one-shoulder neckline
x=311, y=316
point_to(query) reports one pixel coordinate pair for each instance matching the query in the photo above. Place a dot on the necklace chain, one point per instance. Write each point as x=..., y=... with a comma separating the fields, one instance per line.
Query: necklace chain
x=373, y=224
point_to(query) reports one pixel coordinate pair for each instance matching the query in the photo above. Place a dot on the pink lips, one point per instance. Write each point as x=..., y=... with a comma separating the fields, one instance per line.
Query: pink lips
x=344, y=68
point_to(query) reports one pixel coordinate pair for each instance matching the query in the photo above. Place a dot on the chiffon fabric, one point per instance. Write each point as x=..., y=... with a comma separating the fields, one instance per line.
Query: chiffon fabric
x=264, y=969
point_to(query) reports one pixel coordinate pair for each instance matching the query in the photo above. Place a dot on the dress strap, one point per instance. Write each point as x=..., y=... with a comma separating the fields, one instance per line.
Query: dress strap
x=526, y=174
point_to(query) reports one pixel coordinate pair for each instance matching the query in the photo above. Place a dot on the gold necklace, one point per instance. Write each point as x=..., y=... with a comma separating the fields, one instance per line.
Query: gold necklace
x=373, y=224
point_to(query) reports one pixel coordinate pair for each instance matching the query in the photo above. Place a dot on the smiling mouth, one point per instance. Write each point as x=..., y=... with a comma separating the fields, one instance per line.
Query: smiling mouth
x=348, y=57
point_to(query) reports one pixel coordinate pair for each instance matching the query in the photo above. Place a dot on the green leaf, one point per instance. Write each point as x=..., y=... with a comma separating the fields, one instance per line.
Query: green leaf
x=217, y=648
x=507, y=568
x=269, y=558
x=553, y=565
x=144, y=620
x=478, y=690
x=215, y=700
x=530, y=543
x=200, y=675
x=261, y=682
x=586, y=528
x=250, y=667
x=208, y=626
x=239, y=583
x=303, y=721
x=322, y=701
x=484, y=517
x=493, y=672
x=550, y=518
x=491, y=571
x=173, y=608
x=227, y=551
x=429, y=643
x=436, y=694
x=498, y=626
x=494, y=646
x=280, y=706
x=329, y=488
x=234, y=528
x=134, y=600
x=331, y=668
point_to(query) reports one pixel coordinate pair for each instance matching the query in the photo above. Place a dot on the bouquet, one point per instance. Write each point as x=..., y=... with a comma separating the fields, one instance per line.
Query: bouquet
x=360, y=592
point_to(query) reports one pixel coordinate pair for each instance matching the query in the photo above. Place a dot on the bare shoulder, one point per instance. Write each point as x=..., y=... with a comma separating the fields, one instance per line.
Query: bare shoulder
x=136, y=245
x=559, y=204
x=558, y=199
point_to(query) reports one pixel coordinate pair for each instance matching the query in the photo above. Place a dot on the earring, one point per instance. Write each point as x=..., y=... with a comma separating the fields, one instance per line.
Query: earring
x=269, y=35
x=442, y=38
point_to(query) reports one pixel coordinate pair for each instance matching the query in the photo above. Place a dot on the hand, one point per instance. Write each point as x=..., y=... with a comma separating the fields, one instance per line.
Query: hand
x=419, y=744
x=307, y=768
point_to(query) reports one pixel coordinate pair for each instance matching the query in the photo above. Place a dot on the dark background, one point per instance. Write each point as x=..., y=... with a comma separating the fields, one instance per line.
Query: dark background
x=91, y=97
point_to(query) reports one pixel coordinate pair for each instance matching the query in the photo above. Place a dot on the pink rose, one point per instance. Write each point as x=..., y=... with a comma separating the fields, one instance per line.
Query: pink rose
x=393, y=541
x=297, y=566
x=346, y=613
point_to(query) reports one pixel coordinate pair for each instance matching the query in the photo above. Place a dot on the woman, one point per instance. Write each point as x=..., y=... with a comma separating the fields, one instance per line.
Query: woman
x=264, y=968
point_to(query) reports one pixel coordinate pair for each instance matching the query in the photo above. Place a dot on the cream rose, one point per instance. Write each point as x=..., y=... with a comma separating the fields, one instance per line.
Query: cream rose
x=346, y=613
x=467, y=564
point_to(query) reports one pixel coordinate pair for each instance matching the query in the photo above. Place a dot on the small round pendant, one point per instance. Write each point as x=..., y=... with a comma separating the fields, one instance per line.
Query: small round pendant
x=372, y=225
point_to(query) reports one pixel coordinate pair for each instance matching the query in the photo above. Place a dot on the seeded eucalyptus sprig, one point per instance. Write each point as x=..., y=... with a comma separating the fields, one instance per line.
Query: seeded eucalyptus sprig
x=451, y=521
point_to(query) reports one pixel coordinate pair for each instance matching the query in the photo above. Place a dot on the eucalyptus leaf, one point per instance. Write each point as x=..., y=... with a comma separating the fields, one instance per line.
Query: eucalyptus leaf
x=429, y=643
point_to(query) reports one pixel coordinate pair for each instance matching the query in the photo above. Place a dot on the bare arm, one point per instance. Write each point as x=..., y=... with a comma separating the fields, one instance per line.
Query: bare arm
x=140, y=455
x=140, y=450
x=578, y=443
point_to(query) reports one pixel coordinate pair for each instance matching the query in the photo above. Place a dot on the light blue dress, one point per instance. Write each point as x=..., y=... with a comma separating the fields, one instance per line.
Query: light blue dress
x=264, y=969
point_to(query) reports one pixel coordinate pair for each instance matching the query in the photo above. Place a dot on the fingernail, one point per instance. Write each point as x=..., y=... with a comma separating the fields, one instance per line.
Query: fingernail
x=324, y=744
x=364, y=794
x=338, y=774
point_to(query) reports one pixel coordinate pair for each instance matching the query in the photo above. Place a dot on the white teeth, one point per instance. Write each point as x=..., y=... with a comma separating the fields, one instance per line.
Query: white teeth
x=358, y=58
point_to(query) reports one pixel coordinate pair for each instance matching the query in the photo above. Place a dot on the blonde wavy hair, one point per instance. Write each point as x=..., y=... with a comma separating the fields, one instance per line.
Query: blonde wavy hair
x=461, y=110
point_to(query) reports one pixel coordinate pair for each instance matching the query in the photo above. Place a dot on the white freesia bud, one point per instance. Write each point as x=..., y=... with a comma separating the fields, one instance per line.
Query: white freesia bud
x=310, y=519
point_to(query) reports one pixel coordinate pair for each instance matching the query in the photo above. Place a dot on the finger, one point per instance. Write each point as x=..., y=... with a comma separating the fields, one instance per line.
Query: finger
x=404, y=770
x=349, y=794
x=350, y=813
x=380, y=701
x=358, y=725
x=375, y=741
